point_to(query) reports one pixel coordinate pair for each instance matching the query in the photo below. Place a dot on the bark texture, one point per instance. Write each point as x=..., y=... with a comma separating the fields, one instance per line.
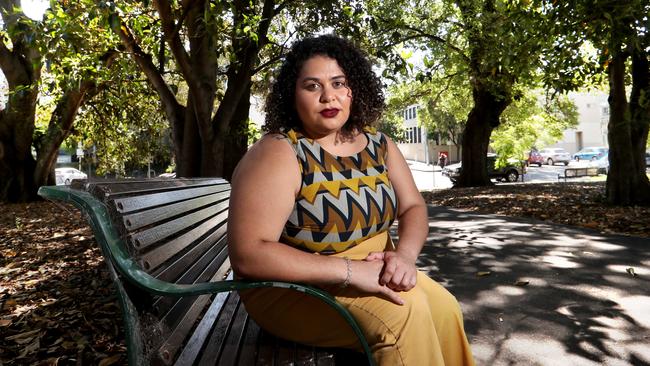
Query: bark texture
x=21, y=66
x=627, y=182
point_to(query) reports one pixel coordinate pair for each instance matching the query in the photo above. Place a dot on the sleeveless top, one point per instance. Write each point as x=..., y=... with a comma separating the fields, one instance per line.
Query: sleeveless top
x=342, y=200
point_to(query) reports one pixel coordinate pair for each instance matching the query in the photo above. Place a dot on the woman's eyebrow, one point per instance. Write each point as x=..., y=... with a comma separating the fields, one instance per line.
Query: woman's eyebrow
x=312, y=78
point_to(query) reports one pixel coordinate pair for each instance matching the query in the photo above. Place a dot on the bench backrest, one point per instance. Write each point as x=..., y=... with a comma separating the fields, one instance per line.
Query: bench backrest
x=169, y=237
x=176, y=231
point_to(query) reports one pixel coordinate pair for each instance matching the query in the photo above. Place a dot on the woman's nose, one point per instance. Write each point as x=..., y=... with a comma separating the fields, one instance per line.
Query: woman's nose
x=327, y=96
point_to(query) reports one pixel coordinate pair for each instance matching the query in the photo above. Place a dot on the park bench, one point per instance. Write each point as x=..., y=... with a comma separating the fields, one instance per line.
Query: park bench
x=578, y=172
x=165, y=244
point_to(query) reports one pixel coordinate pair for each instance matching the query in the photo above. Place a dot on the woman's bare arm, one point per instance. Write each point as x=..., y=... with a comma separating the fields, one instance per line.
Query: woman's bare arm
x=399, y=270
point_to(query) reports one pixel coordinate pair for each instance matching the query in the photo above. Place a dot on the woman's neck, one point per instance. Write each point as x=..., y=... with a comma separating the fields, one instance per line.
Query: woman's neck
x=343, y=144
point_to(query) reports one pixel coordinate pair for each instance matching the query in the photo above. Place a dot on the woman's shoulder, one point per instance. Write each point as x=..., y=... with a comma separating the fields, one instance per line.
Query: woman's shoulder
x=273, y=152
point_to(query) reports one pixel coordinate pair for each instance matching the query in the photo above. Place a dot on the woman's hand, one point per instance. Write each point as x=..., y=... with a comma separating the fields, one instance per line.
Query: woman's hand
x=365, y=277
x=399, y=272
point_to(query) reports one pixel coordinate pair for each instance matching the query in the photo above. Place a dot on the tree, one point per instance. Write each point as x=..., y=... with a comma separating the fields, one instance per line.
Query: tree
x=493, y=44
x=76, y=66
x=619, y=30
x=532, y=121
x=217, y=48
x=20, y=60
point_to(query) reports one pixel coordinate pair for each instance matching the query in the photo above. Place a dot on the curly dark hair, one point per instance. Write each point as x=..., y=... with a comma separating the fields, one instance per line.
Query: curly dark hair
x=368, y=97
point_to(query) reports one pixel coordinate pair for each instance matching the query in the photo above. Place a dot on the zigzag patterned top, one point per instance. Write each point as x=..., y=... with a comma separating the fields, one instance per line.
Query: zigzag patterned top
x=343, y=200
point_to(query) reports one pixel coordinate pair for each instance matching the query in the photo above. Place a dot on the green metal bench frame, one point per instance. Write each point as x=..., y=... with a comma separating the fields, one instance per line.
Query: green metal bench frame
x=120, y=260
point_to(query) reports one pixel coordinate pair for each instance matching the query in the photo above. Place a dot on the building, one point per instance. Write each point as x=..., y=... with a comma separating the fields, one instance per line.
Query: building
x=417, y=148
x=593, y=117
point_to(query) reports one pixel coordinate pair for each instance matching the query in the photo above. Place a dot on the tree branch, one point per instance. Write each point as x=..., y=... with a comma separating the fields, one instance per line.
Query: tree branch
x=176, y=44
x=145, y=62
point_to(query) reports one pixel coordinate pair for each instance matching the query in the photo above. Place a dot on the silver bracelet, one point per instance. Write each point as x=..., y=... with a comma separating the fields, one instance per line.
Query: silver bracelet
x=348, y=274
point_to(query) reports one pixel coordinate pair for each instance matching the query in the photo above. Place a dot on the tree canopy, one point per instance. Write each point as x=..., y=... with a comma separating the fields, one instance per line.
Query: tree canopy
x=148, y=80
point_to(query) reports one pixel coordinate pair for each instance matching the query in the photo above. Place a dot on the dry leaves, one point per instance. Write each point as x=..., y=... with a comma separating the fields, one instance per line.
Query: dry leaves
x=57, y=303
x=577, y=204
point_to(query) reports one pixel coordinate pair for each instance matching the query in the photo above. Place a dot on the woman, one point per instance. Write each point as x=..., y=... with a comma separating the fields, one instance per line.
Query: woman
x=312, y=202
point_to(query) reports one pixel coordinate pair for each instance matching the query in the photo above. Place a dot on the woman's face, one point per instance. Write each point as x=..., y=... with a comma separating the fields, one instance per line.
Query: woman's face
x=323, y=98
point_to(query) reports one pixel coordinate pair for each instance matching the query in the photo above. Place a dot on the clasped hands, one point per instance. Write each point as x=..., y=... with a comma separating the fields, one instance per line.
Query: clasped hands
x=386, y=273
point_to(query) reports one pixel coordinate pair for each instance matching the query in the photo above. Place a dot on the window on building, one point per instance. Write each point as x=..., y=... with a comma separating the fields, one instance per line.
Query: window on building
x=606, y=111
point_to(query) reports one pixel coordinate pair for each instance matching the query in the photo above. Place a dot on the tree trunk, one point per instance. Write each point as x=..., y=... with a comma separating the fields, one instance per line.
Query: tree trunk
x=21, y=66
x=482, y=119
x=236, y=144
x=627, y=182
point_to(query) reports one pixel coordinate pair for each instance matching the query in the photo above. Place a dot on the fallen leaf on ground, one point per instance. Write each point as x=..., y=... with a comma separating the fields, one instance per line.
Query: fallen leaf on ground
x=522, y=283
x=109, y=360
x=22, y=335
x=630, y=270
x=483, y=273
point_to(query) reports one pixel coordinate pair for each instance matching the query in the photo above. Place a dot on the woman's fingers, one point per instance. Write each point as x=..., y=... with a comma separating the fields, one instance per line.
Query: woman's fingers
x=392, y=295
x=388, y=272
x=375, y=256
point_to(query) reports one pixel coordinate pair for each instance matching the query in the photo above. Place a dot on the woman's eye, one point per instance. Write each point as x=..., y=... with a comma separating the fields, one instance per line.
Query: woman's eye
x=339, y=84
x=312, y=86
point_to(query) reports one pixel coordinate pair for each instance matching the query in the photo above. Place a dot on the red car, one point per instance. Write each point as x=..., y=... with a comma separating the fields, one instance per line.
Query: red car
x=534, y=157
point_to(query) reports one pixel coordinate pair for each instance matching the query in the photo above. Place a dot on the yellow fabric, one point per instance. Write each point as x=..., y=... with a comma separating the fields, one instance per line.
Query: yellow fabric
x=426, y=330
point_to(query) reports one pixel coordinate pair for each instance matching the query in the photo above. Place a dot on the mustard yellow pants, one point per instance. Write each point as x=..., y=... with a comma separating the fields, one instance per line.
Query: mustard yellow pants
x=426, y=330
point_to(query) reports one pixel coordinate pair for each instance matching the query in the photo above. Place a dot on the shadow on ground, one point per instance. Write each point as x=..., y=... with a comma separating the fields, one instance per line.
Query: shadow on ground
x=535, y=293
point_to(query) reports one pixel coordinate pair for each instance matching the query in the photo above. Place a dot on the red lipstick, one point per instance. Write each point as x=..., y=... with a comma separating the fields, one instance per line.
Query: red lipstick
x=329, y=113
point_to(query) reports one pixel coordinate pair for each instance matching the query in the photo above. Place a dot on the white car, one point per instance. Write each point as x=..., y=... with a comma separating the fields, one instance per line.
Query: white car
x=554, y=155
x=66, y=175
x=601, y=163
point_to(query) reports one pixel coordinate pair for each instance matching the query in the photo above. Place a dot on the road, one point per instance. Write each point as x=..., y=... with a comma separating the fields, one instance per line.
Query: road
x=425, y=179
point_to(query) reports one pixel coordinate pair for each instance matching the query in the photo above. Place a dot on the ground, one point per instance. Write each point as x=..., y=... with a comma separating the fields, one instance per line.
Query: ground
x=58, y=307
x=578, y=204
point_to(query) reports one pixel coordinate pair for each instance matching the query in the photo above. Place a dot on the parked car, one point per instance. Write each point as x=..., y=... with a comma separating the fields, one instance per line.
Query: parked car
x=510, y=172
x=552, y=155
x=534, y=157
x=66, y=175
x=602, y=163
x=590, y=153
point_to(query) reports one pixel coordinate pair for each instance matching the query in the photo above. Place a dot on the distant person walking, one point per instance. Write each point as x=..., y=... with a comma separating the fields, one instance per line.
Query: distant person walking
x=442, y=159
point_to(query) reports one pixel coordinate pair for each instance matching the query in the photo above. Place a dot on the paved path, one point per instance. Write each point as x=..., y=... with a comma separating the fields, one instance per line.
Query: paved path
x=554, y=295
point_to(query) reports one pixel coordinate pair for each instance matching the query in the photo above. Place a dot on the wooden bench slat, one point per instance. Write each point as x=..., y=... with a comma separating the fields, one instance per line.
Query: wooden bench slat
x=285, y=353
x=130, y=204
x=141, y=219
x=145, y=238
x=248, y=351
x=236, y=333
x=196, y=342
x=180, y=319
x=305, y=356
x=195, y=257
x=106, y=190
x=152, y=259
x=215, y=271
x=265, y=349
x=325, y=359
x=215, y=344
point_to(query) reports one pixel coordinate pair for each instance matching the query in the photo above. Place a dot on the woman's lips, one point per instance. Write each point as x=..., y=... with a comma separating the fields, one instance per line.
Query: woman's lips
x=329, y=113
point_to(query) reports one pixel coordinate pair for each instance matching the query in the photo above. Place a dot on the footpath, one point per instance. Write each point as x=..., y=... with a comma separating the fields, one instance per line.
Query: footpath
x=535, y=293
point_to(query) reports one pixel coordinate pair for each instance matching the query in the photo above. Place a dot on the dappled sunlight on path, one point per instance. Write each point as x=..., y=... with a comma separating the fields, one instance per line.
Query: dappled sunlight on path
x=535, y=293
